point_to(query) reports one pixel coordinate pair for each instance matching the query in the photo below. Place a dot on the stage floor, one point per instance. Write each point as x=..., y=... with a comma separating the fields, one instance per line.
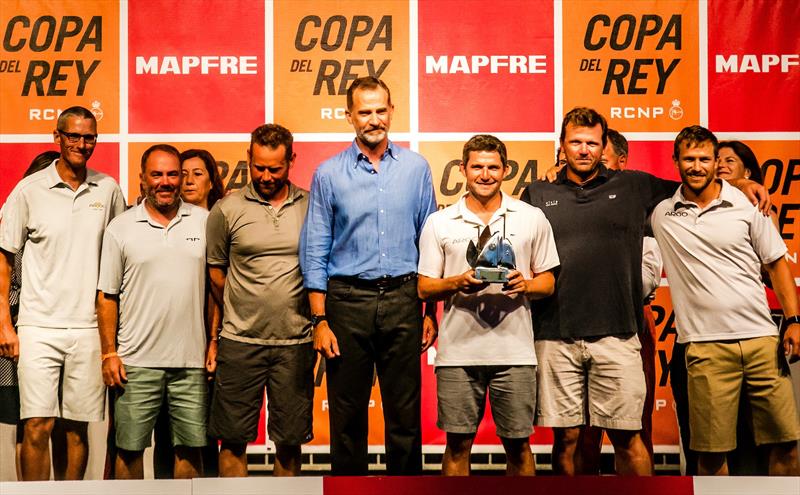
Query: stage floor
x=418, y=485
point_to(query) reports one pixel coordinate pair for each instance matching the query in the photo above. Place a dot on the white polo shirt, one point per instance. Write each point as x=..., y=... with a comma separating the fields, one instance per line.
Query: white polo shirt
x=652, y=265
x=486, y=328
x=62, y=231
x=159, y=274
x=713, y=259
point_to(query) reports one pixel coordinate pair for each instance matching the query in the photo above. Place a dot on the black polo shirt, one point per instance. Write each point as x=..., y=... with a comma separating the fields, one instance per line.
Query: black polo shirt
x=598, y=229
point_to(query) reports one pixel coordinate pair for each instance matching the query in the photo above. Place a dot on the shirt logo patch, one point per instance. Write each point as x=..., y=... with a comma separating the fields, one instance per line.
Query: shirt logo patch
x=675, y=214
x=193, y=239
x=612, y=196
x=551, y=203
x=97, y=205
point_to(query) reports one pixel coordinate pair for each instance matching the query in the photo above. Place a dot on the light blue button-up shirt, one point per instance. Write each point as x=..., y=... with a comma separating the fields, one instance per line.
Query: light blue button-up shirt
x=365, y=223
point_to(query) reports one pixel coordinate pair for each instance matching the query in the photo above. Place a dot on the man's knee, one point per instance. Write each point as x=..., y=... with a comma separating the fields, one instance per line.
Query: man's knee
x=235, y=449
x=129, y=457
x=76, y=431
x=460, y=444
x=516, y=447
x=625, y=439
x=566, y=436
x=38, y=430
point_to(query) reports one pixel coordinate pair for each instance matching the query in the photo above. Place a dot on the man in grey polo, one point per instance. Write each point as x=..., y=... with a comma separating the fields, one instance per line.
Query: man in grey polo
x=58, y=216
x=253, y=237
x=152, y=282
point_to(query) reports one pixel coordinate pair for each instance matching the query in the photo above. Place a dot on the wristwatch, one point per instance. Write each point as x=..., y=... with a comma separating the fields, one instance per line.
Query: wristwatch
x=791, y=320
x=317, y=319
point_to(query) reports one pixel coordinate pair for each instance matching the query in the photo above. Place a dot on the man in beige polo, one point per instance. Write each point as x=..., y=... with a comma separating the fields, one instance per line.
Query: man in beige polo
x=58, y=215
x=252, y=237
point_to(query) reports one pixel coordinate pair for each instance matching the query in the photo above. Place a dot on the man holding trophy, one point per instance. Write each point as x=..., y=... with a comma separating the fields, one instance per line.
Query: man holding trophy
x=486, y=256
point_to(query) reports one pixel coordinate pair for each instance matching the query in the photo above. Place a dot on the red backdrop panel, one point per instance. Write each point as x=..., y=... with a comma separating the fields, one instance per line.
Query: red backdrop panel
x=227, y=98
x=457, y=37
x=753, y=51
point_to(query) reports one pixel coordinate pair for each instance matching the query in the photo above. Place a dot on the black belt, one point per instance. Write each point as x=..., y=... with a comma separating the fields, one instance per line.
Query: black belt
x=383, y=283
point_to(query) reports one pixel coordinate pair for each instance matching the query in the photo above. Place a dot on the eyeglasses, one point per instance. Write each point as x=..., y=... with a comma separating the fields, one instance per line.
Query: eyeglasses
x=74, y=137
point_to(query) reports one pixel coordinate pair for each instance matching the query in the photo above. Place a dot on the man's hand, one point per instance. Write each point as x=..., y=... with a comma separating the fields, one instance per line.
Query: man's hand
x=516, y=283
x=325, y=341
x=114, y=372
x=551, y=174
x=756, y=193
x=211, y=358
x=791, y=342
x=468, y=284
x=9, y=342
x=430, y=330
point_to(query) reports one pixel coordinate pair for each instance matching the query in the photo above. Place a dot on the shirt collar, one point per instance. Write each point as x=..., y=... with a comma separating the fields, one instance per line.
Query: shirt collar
x=602, y=176
x=54, y=180
x=184, y=210
x=250, y=193
x=461, y=210
x=725, y=199
x=356, y=155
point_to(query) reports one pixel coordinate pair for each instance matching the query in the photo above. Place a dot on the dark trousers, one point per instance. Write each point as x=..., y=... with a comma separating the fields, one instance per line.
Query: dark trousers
x=376, y=330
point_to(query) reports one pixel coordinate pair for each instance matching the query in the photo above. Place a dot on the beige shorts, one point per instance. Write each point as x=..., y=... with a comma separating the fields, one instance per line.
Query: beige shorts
x=605, y=373
x=716, y=372
x=60, y=373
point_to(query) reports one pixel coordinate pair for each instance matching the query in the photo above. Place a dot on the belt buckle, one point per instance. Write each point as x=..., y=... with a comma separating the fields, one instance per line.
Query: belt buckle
x=383, y=283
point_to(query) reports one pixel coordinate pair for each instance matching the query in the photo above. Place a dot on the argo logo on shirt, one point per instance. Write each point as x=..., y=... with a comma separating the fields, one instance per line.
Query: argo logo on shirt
x=97, y=205
x=676, y=214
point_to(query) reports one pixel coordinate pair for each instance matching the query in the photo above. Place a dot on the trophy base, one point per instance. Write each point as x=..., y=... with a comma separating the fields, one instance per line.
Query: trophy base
x=497, y=275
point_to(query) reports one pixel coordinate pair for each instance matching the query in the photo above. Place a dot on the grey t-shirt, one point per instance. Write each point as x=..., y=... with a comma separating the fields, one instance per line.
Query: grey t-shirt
x=264, y=301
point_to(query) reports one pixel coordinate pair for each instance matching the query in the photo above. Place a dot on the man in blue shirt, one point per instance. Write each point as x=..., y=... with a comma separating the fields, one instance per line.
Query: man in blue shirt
x=359, y=253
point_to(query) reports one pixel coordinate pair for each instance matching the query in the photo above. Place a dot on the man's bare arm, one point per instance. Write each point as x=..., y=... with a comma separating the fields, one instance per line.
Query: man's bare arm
x=786, y=291
x=9, y=342
x=107, y=306
x=325, y=341
x=216, y=277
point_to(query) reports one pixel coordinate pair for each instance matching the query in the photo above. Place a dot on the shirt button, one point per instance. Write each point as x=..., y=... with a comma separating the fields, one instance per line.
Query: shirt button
x=381, y=189
x=383, y=254
x=381, y=211
x=381, y=233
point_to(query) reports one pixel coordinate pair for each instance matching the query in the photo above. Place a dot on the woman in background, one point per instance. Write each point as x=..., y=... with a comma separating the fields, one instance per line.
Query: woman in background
x=737, y=161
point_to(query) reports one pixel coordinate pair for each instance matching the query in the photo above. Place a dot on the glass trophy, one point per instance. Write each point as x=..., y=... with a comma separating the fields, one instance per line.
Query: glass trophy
x=492, y=258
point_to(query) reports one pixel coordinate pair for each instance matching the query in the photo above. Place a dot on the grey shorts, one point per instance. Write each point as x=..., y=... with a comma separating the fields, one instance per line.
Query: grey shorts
x=604, y=373
x=244, y=371
x=461, y=393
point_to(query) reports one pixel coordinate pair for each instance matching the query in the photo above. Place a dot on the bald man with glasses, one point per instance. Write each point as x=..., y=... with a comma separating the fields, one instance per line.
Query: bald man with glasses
x=58, y=216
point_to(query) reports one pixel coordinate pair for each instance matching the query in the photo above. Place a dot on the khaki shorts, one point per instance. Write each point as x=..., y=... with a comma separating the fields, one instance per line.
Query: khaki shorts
x=60, y=374
x=716, y=372
x=609, y=369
